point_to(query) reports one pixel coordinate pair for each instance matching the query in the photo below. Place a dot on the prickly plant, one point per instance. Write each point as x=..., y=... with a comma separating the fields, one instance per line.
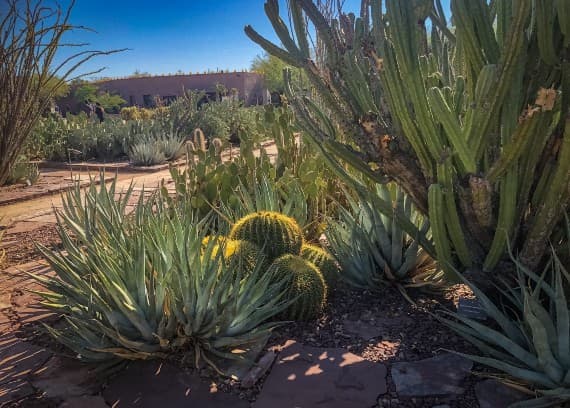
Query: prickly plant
x=307, y=289
x=468, y=113
x=275, y=233
x=323, y=261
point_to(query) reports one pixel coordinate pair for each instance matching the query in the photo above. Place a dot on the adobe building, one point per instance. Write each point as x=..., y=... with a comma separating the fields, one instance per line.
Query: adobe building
x=142, y=91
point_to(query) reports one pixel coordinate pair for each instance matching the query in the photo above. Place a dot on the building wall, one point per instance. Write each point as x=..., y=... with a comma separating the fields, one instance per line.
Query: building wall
x=133, y=90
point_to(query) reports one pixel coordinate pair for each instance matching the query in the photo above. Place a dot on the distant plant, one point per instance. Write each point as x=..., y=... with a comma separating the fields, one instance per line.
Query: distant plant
x=30, y=38
x=147, y=153
x=24, y=172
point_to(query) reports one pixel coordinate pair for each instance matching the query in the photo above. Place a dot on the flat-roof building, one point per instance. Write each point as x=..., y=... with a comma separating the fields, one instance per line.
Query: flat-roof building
x=142, y=91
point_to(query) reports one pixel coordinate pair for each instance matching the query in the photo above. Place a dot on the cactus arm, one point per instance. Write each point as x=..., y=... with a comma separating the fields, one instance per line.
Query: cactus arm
x=394, y=85
x=443, y=113
x=452, y=221
x=272, y=48
x=544, y=11
x=522, y=138
x=554, y=203
x=438, y=230
x=300, y=28
x=272, y=12
x=563, y=10
x=505, y=221
x=508, y=64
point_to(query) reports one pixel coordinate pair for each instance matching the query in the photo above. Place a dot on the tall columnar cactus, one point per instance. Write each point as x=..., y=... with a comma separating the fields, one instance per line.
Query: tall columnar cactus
x=474, y=123
x=307, y=288
x=275, y=233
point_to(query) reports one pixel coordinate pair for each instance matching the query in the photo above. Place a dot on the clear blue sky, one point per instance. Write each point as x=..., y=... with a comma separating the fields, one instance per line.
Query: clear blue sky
x=170, y=35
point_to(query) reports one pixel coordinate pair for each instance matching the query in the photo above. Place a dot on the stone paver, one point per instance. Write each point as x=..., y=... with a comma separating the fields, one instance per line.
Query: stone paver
x=309, y=377
x=84, y=402
x=440, y=375
x=493, y=394
x=63, y=378
x=152, y=384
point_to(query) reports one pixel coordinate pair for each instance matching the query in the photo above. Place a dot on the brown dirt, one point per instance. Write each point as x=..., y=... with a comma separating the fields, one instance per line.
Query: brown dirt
x=25, y=250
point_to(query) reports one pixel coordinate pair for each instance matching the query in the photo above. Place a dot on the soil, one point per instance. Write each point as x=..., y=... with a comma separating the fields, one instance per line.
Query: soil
x=26, y=250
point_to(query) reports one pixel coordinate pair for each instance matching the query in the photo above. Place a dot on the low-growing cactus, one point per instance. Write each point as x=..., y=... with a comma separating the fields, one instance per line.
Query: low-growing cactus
x=199, y=139
x=275, y=233
x=323, y=261
x=243, y=253
x=307, y=287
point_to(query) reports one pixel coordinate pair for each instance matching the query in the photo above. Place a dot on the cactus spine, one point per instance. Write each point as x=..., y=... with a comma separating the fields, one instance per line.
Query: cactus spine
x=307, y=289
x=275, y=233
x=322, y=260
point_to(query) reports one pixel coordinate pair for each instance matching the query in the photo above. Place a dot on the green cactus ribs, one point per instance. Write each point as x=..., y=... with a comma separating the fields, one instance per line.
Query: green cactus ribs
x=275, y=233
x=323, y=261
x=307, y=287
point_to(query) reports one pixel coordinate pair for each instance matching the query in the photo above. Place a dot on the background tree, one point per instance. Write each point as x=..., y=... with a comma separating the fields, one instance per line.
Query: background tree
x=30, y=40
x=272, y=69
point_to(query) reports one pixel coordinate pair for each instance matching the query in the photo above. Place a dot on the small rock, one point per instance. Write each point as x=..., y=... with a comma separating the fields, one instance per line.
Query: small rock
x=253, y=376
x=494, y=394
x=309, y=376
x=440, y=375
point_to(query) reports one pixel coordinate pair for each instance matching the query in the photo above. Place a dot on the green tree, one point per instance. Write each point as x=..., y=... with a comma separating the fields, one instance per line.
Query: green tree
x=272, y=68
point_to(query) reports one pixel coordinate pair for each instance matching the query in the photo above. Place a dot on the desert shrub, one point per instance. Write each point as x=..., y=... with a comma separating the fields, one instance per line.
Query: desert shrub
x=374, y=251
x=139, y=286
x=147, y=153
x=527, y=335
x=24, y=172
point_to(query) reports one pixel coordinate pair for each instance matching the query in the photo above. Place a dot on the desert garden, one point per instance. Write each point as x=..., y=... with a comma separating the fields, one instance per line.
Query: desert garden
x=393, y=233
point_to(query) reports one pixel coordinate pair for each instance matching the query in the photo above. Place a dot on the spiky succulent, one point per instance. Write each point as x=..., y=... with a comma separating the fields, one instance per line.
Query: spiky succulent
x=140, y=286
x=322, y=260
x=307, y=288
x=529, y=337
x=373, y=250
x=147, y=153
x=274, y=232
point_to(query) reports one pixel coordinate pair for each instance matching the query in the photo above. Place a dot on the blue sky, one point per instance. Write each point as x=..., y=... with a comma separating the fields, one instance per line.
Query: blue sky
x=171, y=35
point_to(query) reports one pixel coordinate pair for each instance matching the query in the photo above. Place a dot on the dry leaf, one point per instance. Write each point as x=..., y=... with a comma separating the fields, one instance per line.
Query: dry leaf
x=546, y=98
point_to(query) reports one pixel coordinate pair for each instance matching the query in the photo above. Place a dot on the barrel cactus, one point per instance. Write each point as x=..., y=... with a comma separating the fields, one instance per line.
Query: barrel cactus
x=275, y=233
x=243, y=253
x=323, y=261
x=307, y=287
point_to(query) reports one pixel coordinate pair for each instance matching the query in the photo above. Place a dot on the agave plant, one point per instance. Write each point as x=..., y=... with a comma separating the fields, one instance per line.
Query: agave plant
x=138, y=286
x=530, y=335
x=373, y=250
x=147, y=153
